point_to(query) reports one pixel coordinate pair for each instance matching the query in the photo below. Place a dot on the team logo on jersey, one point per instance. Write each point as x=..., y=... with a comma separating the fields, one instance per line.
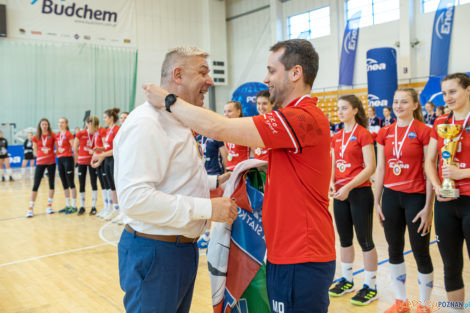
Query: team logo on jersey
x=341, y=165
x=353, y=138
x=412, y=135
x=467, y=129
x=397, y=166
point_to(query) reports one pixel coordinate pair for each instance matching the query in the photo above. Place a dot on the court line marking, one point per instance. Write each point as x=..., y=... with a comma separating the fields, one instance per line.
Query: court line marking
x=53, y=254
x=380, y=263
x=100, y=233
x=18, y=217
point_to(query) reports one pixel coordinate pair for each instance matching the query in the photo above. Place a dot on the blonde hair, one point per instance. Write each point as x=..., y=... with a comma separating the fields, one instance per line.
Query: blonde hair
x=175, y=57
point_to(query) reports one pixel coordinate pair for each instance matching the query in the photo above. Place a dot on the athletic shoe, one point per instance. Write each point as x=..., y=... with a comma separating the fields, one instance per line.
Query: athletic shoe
x=118, y=219
x=364, y=296
x=30, y=213
x=11, y=178
x=399, y=307
x=111, y=215
x=104, y=213
x=82, y=210
x=65, y=209
x=49, y=210
x=203, y=242
x=422, y=309
x=71, y=210
x=93, y=211
x=341, y=288
x=3, y=178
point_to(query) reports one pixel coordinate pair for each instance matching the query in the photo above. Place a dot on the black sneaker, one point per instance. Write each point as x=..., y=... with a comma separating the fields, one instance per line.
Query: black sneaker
x=81, y=211
x=364, y=296
x=3, y=178
x=11, y=178
x=93, y=211
x=341, y=288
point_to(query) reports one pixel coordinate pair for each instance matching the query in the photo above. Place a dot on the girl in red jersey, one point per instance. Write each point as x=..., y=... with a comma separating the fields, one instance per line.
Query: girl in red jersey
x=85, y=141
x=353, y=164
x=110, y=118
x=406, y=195
x=235, y=153
x=453, y=214
x=66, y=166
x=43, y=147
x=105, y=189
x=263, y=105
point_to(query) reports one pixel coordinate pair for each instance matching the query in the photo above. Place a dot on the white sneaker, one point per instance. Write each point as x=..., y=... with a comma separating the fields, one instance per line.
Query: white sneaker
x=30, y=213
x=118, y=219
x=111, y=215
x=103, y=213
x=49, y=210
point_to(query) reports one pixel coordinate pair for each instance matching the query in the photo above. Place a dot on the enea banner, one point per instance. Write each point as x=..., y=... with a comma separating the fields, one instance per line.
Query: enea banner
x=106, y=22
x=348, y=51
x=382, y=78
x=442, y=32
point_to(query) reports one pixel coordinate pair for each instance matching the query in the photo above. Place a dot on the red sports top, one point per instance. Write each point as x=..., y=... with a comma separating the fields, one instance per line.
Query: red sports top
x=411, y=178
x=236, y=154
x=462, y=157
x=297, y=224
x=87, y=143
x=64, y=148
x=261, y=154
x=353, y=161
x=111, y=132
x=45, y=146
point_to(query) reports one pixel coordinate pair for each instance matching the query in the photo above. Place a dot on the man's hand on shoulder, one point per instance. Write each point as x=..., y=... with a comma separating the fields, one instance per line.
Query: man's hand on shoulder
x=155, y=95
x=223, y=210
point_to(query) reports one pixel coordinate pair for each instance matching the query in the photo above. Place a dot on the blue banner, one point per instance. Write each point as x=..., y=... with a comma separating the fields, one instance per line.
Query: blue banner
x=246, y=95
x=442, y=32
x=381, y=78
x=16, y=155
x=348, y=51
x=432, y=92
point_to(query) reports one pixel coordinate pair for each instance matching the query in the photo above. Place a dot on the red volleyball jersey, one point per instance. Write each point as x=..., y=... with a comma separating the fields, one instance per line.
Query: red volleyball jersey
x=261, y=154
x=87, y=142
x=236, y=154
x=297, y=224
x=64, y=148
x=46, y=154
x=411, y=174
x=462, y=153
x=111, y=132
x=352, y=162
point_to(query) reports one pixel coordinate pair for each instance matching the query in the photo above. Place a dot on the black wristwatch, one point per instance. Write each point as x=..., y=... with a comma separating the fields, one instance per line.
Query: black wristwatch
x=169, y=100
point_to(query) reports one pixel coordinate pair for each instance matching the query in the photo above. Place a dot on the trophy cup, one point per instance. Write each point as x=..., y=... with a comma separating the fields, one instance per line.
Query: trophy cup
x=448, y=132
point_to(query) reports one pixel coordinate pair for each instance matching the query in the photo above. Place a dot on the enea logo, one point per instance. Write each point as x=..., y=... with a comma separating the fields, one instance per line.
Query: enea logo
x=412, y=135
x=350, y=41
x=73, y=10
x=376, y=101
x=373, y=65
x=444, y=23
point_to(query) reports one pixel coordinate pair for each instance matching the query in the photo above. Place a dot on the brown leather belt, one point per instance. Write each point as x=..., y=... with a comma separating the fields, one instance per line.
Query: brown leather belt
x=174, y=238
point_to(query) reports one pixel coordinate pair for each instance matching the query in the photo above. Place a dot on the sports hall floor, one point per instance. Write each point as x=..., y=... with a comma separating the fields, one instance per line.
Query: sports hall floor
x=68, y=263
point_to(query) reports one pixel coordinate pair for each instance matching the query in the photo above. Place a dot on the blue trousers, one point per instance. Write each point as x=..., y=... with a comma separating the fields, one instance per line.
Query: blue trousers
x=157, y=276
x=299, y=288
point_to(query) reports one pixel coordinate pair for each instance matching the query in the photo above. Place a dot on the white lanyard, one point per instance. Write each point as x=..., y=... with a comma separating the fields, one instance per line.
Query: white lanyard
x=343, y=146
x=464, y=124
x=301, y=98
x=204, y=144
x=61, y=138
x=44, y=142
x=109, y=133
x=89, y=143
x=397, y=150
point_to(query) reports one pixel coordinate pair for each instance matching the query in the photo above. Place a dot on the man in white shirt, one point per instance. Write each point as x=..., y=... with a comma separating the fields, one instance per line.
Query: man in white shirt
x=163, y=190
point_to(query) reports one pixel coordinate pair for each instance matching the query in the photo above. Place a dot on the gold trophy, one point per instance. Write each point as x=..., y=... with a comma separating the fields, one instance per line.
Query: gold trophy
x=449, y=132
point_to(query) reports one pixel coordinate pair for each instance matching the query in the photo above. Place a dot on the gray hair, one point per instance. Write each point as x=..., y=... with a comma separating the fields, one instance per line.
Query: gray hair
x=175, y=56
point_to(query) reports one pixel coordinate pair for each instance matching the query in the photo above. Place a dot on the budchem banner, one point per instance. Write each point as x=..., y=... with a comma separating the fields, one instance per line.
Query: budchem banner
x=106, y=22
x=348, y=51
x=441, y=34
x=381, y=78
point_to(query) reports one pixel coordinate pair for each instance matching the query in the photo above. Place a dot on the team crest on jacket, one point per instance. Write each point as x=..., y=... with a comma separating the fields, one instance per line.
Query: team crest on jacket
x=412, y=135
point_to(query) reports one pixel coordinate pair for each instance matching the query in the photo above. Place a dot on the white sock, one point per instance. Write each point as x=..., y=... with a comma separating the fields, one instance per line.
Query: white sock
x=8, y=171
x=31, y=204
x=74, y=202
x=4, y=172
x=105, y=200
x=49, y=202
x=67, y=202
x=398, y=276
x=108, y=197
x=116, y=206
x=370, y=278
x=23, y=170
x=347, y=271
x=82, y=199
x=425, y=282
x=94, y=196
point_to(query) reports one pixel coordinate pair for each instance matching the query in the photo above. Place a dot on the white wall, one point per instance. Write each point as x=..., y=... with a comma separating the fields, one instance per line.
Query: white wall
x=249, y=39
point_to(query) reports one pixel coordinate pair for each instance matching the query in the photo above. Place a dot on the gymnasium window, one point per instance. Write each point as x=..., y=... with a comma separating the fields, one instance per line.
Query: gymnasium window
x=431, y=5
x=309, y=25
x=374, y=11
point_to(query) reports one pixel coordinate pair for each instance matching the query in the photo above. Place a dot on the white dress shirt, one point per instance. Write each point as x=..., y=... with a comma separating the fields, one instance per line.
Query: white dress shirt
x=161, y=182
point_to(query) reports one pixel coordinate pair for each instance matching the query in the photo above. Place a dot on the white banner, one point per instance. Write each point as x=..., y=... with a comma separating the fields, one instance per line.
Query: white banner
x=106, y=22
